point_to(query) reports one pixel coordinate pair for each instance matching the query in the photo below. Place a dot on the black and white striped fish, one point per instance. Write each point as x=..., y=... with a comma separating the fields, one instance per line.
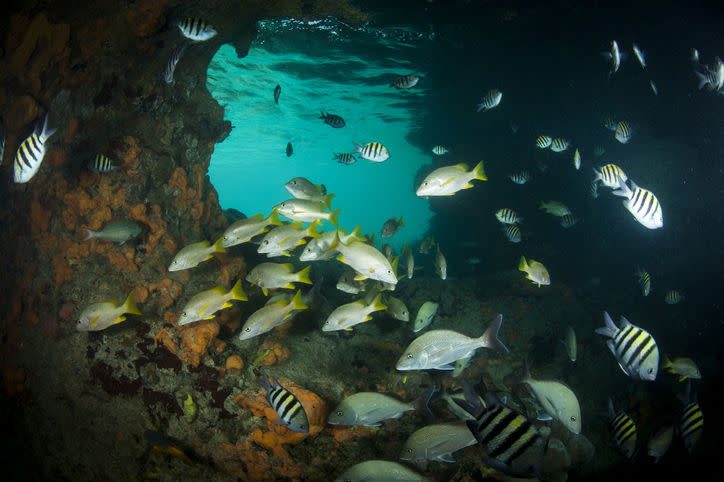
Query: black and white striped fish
x=634, y=348
x=285, y=404
x=31, y=153
x=543, y=142
x=569, y=220
x=520, y=177
x=101, y=163
x=623, y=431
x=507, y=216
x=610, y=175
x=512, y=232
x=559, y=145
x=644, y=280
x=512, y=443
x=691, y=423
x=673, y=297
x=405, y=81
x=345, y=158
x=333, y=120
x=623, y=132
x=373, y=151
x=176, y=55
x=643, y=204
x=491, y=99
x=593, y=189
x=196, y=29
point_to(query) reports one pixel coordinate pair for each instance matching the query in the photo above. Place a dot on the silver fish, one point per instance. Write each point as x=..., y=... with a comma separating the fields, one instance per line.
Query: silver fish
x=558, y=401
x=370, y=408
x=176, y=55
x=116, y=232
x=405, y=81
x=437, y=442
x=31, y=153
x=380, y=471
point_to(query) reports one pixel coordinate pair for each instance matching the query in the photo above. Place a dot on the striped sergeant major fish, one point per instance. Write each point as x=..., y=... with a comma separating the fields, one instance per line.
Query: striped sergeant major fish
x=373, y=151
x=507, y=216
x=543, y=142
x=285, y=404
x=643, y=204
x=623, y=132
x=610, y=175
x=520, y=177
x=634, y=348
x=31, y=153
x=691, y=423
x=644, y=280
x=101, y=163
x=623, y=431
x=512, y=443
x=345, y=158
x=491, y=100
x=196, y=29
x=333, y=120
x=176, y=55
x=559, y=145
x=405, y=81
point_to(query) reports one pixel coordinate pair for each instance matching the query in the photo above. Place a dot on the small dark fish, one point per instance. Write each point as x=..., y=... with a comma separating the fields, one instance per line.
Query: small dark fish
x=290, y=150
x=176, y=55
x=405, y=81
x=277, y=91
x=3, y=138
x=333, y=120
x=345, y=158
x=101, y=163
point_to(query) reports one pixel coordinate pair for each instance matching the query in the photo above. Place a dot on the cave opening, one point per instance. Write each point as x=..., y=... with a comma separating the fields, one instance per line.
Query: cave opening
x=323, y=66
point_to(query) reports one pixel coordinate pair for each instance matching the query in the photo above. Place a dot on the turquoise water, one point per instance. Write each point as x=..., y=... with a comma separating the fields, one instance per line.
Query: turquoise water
x=326, y=67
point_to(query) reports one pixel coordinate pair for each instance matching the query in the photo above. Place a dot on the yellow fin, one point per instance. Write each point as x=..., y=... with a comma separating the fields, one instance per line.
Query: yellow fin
x=522, y=265
x=265, y=291
x=129, y=306
x=119, y=319
x=237, y=293
x=303, y=276
x=479, y=172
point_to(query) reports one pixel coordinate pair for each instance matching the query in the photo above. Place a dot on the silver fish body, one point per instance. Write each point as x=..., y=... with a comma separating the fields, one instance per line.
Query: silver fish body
x=31, y=153
x=116, y=232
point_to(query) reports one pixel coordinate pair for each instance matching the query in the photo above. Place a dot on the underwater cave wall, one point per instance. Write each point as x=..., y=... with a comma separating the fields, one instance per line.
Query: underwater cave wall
x=97, y=71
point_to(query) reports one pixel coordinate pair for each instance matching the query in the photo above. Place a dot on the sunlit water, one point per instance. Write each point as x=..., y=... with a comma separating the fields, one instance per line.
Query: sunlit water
x=324, y=67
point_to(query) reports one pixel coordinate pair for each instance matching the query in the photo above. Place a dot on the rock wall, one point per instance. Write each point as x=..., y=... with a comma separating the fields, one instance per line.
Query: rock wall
x=96, y=71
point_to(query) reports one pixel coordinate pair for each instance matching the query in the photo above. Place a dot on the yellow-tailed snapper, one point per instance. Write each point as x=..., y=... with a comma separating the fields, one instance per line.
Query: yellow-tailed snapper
x=204, y=305
x=643, y=204
x=116, y=232
x=302, y=188
x=380, y=471
x=633, y=347
x=276, y=275
x=31, y=153
x=243, y=230
x=194, y=254
x=555, y=208
x=409, y=261
x=305, y=211
x=368, y=409
x=425, y=314
x=490, y=100
x=623, y=431
x=439, y=349
x=440, y=263
x=391, y=226
x=610, y=175
x=426, y=245
x=673, y=297
x=349, y=284
x=99, y=316
x=644, y=280
x=372, y=151
x=683, y=367
x=272, y=315
x=196, y=29
x=368, y=261
x=283, y=239
x=446, y=181
x=437, y=442
x=287, y=407
x=535, y=271
x=558, y=401
x=350, y=314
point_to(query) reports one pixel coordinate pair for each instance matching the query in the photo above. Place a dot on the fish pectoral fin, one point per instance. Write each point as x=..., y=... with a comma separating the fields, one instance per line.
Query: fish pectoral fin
x=119, y=319
x=446, y=367
x=359, y=277
x=265, y=291
x=348, y=329
x=468, y=186
x=226, y=305
x=544, y=417
x=445, y=458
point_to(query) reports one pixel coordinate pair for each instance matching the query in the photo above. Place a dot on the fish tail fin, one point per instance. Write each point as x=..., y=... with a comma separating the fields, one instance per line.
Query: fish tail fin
x=274, y=218
x=322, y=116
x=313, y=229
x=400, y=223
x=703, y=80
x=129, y=306
x=377, y=303
x=357, y=147
x=89, y=234
x=219, y=246
x=610, y=329
x=303, y=276
x=237, y=292
x=422, y=402
x=356, y=234
x=327, y=200
x=45, y=132
x=479, y=172
x=490, y=337
x=523, y=264
x=334, y=217
x=297, y=302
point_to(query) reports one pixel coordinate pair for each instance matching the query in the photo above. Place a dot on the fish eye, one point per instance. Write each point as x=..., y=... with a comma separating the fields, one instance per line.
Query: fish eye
x=651, y=370
x=573, y=418
x=183, y=313
x=248, y=329
x=409, y=355
x=266, y=241
x=340, y=412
